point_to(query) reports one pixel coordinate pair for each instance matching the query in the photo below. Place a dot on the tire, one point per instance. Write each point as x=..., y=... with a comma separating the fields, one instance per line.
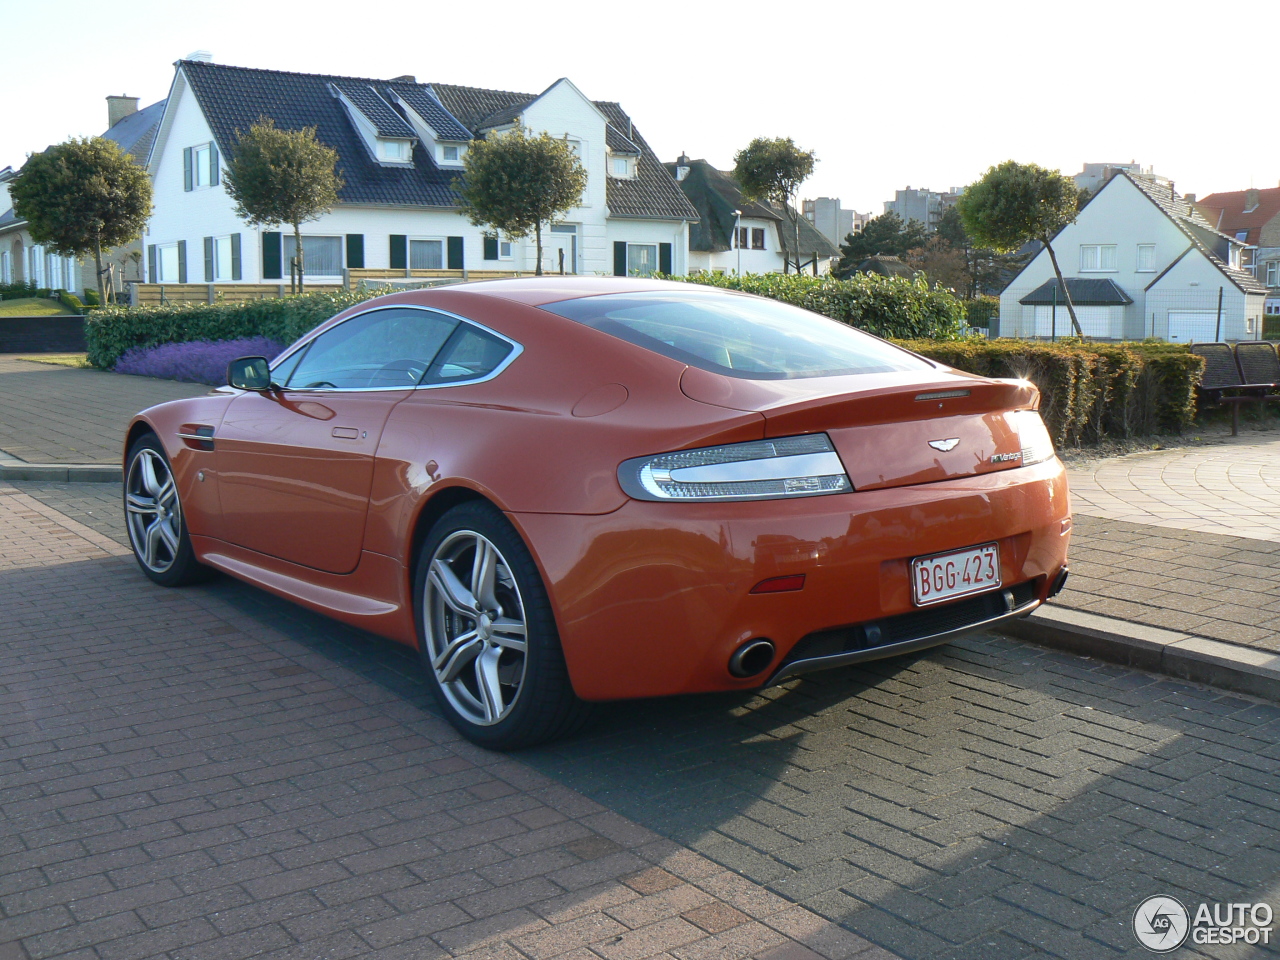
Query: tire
x=154, y=519
x=507, y=686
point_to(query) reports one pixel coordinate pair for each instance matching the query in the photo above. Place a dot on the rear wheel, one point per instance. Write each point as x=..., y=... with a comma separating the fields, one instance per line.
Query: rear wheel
x=153, y=517
x=488, y=640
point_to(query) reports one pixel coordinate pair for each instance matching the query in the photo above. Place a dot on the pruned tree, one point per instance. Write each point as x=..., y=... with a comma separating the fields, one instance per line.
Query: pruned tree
x=772, y=169
x=516, y=182
x=83, y=197
x=1017, y=202
x=282, y=176
x=887, y=235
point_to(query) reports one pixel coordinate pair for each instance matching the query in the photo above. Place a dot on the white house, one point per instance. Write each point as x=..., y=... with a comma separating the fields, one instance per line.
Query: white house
x=733, y=235
x=22, y=260
x=400, y=146
x=1139, y=261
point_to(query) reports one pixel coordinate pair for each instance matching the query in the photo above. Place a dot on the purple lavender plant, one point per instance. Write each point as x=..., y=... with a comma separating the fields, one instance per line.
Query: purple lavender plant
x=197, y=361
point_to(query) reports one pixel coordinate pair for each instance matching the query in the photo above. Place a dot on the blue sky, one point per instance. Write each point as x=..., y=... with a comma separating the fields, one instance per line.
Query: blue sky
x=889, y=95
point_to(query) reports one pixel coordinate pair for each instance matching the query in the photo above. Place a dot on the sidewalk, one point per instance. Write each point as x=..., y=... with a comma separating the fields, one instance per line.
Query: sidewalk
x=51, y=414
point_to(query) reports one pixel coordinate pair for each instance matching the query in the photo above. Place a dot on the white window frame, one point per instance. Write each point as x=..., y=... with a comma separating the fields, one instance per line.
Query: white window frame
x=622, y=167
x=6, y=270
x=285, y=256
x=200, y=155
x=222, y=268
x=1273, y=273
x=395, y=150
x=1098, y=258
x=1151, y=259
x=657, y=253
x=162, y=273
x=443, y=160
x=444, y=251
x=504, y=244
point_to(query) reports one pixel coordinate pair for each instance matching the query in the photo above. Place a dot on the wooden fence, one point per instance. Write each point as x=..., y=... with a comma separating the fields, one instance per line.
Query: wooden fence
x=151, y=293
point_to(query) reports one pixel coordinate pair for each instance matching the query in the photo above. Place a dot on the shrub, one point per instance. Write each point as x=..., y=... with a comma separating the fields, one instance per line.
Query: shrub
x=70, y=301
x=91, y=298
x=17, y=291
x=885, y=306
x=980, y=311
x=197, y=361
x=1089, y=390
x=110, y=331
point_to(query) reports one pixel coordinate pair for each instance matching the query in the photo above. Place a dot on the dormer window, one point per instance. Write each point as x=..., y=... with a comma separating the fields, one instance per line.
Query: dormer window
x=450, y=154
x=395, y=151
x=622, y=167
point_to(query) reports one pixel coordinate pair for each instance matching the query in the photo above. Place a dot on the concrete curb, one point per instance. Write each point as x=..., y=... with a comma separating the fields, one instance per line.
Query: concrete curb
x=61, y=472
x=1218, y=664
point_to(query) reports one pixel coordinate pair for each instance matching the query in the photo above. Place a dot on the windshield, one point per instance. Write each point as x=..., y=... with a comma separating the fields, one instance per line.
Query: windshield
x=737, y=335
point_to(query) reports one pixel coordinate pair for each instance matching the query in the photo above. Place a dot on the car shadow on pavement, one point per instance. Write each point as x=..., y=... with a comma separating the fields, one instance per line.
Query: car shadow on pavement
x=989, y=798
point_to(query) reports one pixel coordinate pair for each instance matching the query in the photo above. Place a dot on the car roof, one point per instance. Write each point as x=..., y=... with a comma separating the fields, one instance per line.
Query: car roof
x=536, y=291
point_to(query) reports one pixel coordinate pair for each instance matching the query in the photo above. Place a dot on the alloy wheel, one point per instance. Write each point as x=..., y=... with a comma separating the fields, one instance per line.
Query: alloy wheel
x=153, y=511
x=475, y=626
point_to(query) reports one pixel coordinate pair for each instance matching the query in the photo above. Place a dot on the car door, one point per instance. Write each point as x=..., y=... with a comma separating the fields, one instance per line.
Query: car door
x=295, y=463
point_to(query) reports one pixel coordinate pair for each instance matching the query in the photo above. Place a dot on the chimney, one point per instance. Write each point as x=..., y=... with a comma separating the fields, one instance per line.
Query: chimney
x=203, y=56
x=1251, y=200
x=1191, y=198
x=682, y=166
x=120, y=107
x=405, y=78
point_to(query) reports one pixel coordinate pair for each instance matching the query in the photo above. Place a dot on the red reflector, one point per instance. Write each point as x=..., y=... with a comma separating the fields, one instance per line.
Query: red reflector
x=780, y=584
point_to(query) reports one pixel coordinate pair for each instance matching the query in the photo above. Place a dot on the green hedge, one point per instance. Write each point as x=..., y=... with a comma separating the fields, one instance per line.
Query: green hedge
x=1088, y=390
x=885, y=306
x=71, y=301
x=110, y=331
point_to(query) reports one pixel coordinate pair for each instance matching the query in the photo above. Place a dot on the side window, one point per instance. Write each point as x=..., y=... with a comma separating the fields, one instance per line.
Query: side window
x=381, y=348
x=469, y=354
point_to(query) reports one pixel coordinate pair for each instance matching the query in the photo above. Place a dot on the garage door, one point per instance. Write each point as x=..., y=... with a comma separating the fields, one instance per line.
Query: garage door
x=1193, y=326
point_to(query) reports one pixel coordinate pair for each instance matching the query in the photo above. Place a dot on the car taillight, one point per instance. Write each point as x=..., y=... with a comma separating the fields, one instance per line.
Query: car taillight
x=1037, y=445
x=803, y=466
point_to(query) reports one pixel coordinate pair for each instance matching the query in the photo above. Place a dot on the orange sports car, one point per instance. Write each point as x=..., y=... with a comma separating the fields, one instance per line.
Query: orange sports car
x=564, y=490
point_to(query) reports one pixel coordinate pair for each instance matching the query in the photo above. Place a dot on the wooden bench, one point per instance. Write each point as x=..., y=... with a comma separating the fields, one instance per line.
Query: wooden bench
x=1227, y=370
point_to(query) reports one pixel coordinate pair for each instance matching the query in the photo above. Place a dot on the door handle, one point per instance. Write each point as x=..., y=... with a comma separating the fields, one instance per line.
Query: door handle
x=346, y=433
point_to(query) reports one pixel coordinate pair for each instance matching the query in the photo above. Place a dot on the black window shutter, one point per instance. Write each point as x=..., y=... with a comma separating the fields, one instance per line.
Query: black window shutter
x=152, y=272
x=271, y=257
x=182, y=261
x=664, y=258
x=619, y=258
x=235, y=256
x=355, y=250
x=399, y=251
x=455, y=253
x=213, y=164
x=186, y=170
x=208, y=259
x=490, y=248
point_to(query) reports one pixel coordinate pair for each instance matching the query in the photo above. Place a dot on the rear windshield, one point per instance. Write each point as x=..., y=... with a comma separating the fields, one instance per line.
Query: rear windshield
x=737, y=335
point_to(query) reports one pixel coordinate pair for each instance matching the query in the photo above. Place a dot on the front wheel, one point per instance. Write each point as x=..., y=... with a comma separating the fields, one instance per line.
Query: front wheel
x=488, y=639
x=153, y=517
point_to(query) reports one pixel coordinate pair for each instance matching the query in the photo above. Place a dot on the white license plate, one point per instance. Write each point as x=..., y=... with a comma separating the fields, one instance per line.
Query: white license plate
x=945, y=576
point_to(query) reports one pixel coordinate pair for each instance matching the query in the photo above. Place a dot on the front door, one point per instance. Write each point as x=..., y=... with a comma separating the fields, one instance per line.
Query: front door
x=560, y=248
x=295, y=464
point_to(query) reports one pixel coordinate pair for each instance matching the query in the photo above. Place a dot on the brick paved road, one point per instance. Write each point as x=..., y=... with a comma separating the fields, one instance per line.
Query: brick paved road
x=65, y=415
x=180, y=777
x=989, y=799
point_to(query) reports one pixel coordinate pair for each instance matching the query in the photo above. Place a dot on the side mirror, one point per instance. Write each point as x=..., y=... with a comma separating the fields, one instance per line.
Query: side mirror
x=249, y=373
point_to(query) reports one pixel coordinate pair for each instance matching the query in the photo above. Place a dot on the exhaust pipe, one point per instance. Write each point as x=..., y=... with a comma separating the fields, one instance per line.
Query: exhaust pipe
x=751, y=658
x=1059, y=582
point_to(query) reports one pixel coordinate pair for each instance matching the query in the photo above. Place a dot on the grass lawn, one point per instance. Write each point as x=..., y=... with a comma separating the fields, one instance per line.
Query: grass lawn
x=33, y=307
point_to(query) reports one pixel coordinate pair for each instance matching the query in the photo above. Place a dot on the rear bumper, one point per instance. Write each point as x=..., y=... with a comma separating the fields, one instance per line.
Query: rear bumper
x=654, y=599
